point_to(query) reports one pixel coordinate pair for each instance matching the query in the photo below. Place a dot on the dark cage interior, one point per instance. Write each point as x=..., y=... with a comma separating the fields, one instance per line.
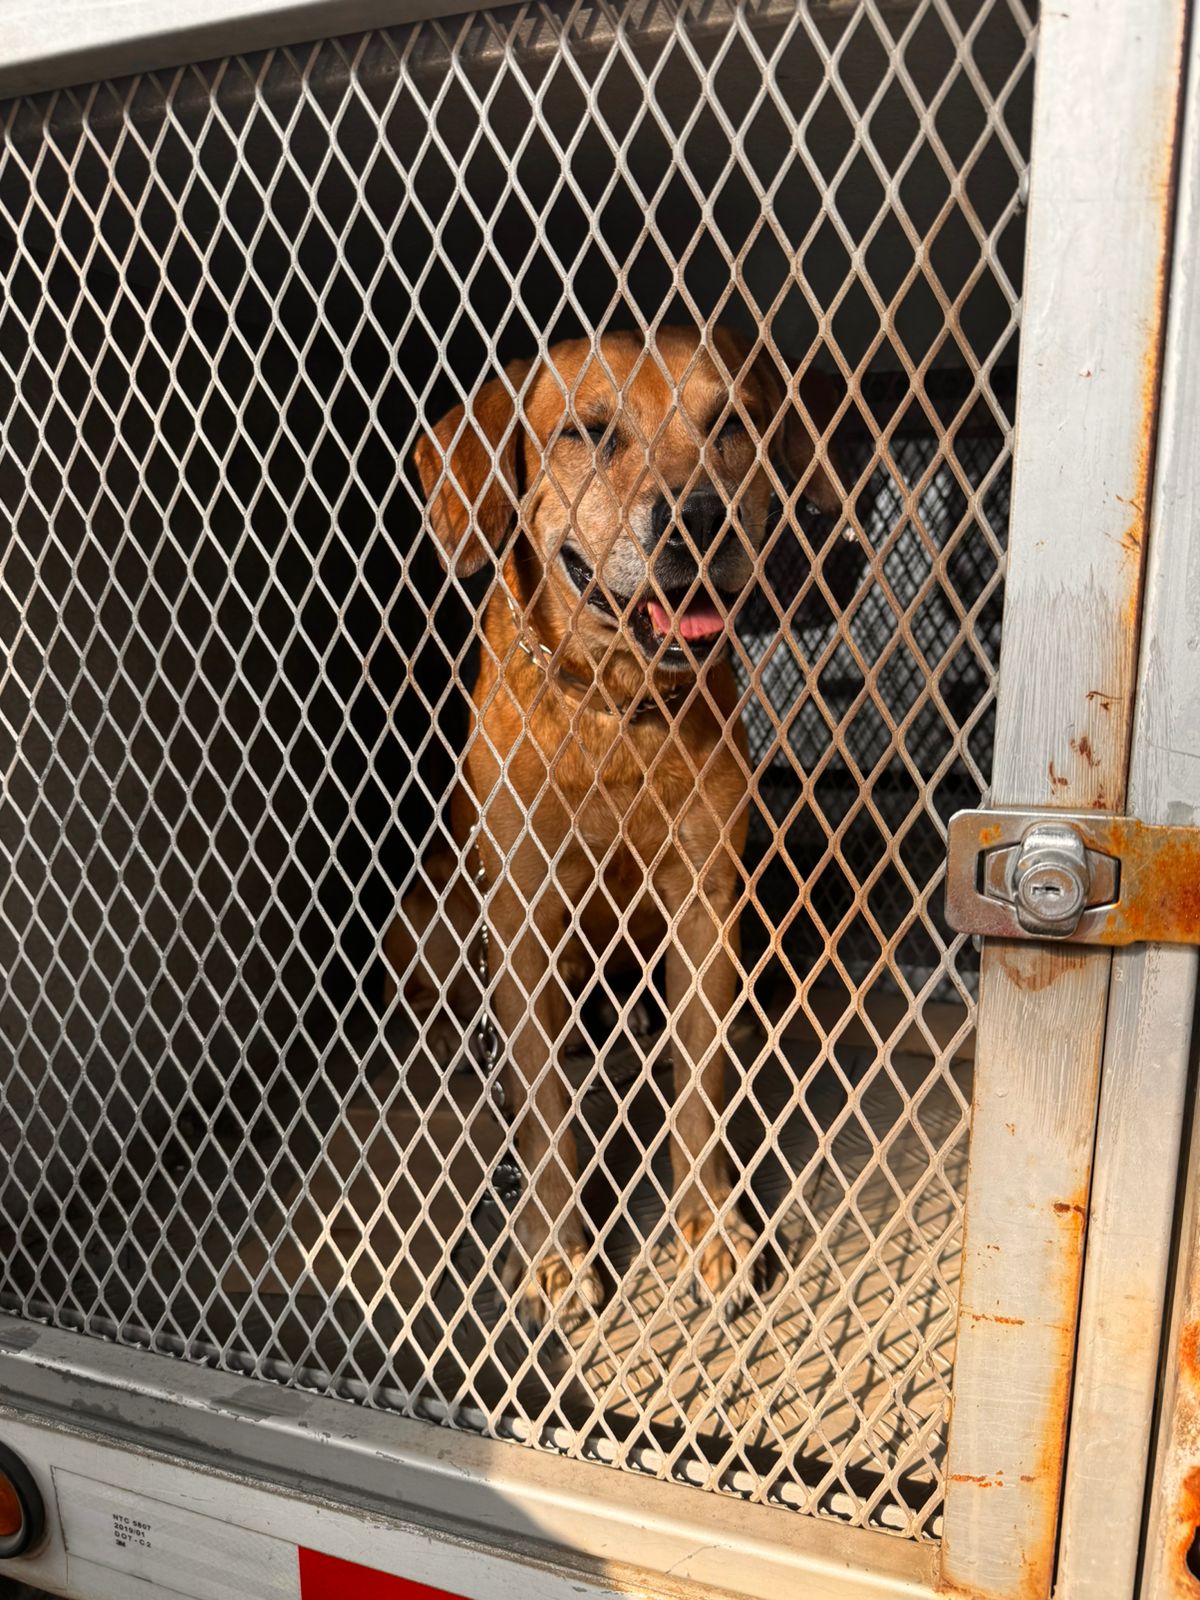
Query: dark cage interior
x=233, y=297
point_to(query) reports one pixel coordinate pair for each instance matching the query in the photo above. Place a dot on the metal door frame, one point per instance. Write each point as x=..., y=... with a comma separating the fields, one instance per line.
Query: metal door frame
x=1149, y=1043
x=1108, y=104
x=1158, y=1011
x=1107, y=108
x=73, y=42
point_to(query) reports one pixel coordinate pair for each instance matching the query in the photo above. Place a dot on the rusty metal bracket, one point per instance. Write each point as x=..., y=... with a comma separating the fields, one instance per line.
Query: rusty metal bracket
x=1075, y=877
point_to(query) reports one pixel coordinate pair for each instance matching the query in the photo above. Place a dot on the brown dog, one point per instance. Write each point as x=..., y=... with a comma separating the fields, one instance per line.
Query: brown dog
x=605, y=780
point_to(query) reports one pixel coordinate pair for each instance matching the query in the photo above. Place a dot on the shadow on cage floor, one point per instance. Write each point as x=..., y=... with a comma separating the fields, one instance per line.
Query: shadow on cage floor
x=836, y=1377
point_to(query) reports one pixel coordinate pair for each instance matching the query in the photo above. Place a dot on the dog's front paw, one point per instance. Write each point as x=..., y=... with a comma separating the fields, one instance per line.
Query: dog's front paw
x=568, y=1286
x=717, y=1257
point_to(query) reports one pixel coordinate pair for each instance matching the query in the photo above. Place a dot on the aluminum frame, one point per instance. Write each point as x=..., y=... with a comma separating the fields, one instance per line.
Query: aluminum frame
x=72, y=42
x=1108, y=106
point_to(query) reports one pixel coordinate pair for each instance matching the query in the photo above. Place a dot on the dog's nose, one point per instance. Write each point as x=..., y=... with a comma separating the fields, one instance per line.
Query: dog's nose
x=702, y=514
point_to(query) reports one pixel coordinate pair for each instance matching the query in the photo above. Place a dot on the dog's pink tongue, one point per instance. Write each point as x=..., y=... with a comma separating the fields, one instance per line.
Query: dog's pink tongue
x=700, y=621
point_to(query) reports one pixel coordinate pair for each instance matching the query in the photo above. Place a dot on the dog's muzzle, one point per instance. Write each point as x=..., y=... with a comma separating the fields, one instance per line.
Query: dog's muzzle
x=686, y=625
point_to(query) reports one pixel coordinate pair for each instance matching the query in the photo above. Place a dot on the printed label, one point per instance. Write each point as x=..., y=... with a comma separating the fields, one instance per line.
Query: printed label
x=185, y=1552
x=206, y=1558
x=128, y=1530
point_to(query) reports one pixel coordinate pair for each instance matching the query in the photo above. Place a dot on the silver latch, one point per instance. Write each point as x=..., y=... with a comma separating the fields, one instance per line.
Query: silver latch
x=1080, y=877
x=1050, y=879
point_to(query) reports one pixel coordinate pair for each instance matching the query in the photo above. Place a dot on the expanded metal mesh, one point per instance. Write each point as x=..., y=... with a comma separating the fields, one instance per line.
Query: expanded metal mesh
x=237, y=702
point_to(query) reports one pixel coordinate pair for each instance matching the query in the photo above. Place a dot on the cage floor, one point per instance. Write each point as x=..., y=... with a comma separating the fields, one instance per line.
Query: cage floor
x=850, y=1340
x=837, y=1373
x=361, y=1274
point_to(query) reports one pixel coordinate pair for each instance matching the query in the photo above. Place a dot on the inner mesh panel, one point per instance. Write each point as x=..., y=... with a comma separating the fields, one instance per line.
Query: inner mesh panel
x=237, y=700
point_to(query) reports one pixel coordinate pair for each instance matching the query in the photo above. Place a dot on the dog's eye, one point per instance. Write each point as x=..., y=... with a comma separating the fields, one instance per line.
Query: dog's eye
x=596, y=433
x=732, y=428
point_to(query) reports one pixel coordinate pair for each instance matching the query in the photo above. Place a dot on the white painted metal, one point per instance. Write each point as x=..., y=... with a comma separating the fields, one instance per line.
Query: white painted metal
x=1135, y=1178
x=468, y=1512
x=1134, y=1156
x=74, y=41
x=1106, y=109
x=215, y=1537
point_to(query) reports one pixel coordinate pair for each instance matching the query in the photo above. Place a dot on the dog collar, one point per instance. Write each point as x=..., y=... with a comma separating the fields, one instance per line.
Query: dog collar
x=646, y=705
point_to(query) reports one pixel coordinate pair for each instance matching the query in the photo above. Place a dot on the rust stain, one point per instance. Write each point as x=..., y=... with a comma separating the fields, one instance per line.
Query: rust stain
x=986, y=1316
x=1159, y=890
x=1083, y=747
x=1103, y=699
x=1064, y=1209
x=1186, y=1512
x=1151, y=372
x=1134, y=536
x=1046, y=1469
x=1039, y=1486
x=1164, y=904
x=1032, y=967
x=1189, y=1354
x=992, y=834
x=1041, y=1518
x=1012, y=1128
x=1056, y=780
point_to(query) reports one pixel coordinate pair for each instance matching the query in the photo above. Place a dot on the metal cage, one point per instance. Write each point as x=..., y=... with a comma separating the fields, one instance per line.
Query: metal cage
x=234, y=298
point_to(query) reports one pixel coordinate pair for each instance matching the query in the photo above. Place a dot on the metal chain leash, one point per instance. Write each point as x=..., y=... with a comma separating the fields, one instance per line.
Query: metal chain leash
x=485, y=1040
x=506, y=1179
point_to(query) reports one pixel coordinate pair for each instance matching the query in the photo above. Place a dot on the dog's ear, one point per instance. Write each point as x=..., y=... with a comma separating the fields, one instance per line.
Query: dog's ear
x=468, y=469
x=798, y=426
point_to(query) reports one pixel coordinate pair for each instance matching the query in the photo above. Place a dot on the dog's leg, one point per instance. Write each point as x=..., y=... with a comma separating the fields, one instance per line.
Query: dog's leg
x=702, y=965
x=545, y=1266
x=427, y=947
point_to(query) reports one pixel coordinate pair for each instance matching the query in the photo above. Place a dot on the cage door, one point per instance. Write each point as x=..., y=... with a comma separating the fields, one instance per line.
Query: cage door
x=1088, y=396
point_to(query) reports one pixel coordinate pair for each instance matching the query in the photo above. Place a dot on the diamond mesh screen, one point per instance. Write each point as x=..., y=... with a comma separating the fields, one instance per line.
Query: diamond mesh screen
x=250, y=823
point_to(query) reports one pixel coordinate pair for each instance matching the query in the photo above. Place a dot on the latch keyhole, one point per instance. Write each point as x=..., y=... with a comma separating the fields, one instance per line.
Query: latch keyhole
x=1045, y=891
x=1050, y=878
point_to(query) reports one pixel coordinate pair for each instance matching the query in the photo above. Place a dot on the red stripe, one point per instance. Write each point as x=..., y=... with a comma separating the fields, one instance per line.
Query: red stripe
x=325, y=1577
